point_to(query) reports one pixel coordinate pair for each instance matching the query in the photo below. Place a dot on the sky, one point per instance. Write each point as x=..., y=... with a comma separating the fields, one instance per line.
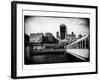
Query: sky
x=39, y=24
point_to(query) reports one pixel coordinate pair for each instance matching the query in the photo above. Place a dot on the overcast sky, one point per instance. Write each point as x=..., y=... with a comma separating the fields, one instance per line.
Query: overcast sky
x=51, y=24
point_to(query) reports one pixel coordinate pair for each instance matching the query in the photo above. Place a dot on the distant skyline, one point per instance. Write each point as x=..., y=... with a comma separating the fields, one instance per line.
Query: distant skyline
x=35, y=24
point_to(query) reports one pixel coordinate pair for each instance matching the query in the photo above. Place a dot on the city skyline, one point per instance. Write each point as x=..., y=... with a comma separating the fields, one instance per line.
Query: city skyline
x=55, y=38
x=52, y=25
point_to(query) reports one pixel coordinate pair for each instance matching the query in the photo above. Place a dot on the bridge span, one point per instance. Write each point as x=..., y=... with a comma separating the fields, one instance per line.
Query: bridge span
x=80, y=48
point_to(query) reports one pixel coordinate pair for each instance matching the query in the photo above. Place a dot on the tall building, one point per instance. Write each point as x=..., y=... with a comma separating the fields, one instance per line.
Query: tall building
x=63, y=31
x=57, y=35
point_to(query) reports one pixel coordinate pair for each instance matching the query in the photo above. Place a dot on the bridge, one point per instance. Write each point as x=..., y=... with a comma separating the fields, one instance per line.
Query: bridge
x=79, y=48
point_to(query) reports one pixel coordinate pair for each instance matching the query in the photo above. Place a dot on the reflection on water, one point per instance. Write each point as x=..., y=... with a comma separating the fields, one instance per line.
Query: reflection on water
x=49, y=58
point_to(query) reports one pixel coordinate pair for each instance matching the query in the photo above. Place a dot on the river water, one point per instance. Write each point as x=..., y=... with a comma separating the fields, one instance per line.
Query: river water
x=49, y=58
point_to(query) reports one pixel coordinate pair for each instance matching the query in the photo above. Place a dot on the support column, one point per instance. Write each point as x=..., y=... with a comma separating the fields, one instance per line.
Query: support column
x=82, y=44
x=79, y=45
x=85, y=43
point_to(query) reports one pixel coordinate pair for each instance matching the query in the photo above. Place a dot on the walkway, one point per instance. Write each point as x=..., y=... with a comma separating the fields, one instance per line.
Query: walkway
x=80, y=53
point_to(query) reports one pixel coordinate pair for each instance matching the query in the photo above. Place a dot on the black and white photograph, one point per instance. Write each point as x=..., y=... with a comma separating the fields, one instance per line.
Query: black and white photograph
x=53, y=39
x=56, y=39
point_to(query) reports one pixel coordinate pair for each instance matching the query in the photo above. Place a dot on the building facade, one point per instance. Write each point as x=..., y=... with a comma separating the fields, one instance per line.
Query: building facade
x=49, y=36
x=36, y=37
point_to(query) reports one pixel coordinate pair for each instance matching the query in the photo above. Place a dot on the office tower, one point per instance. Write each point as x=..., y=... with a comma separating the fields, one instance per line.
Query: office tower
x=63, y=31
